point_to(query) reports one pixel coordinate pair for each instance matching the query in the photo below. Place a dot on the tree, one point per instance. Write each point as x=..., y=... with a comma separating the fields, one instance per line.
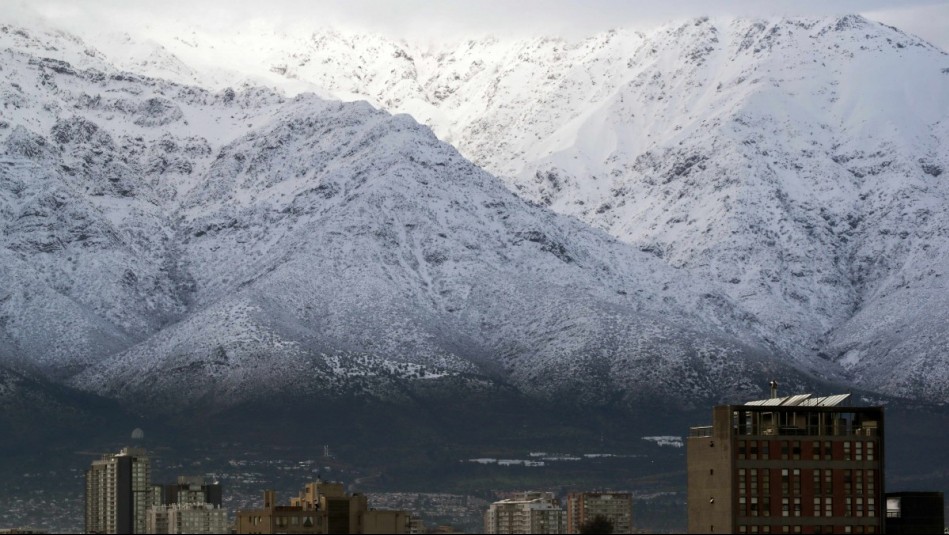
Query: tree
x=597, y=524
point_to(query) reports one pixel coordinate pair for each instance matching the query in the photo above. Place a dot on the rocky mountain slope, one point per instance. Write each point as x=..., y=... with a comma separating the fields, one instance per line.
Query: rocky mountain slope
x=177, y=248
x=799, y=164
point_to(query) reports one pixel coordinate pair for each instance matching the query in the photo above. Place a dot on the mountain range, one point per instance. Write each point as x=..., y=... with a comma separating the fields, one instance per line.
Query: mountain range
x=677, y=214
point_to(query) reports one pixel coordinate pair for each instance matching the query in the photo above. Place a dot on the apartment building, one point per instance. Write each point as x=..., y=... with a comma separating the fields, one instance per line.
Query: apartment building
x=526, y=512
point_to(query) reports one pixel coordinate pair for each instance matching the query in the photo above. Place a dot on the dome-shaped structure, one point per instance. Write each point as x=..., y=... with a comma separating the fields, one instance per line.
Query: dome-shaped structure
x=138, y=434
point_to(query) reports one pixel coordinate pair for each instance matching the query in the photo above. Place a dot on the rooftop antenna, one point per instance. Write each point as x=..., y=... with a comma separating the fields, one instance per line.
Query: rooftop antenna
x=774, y=388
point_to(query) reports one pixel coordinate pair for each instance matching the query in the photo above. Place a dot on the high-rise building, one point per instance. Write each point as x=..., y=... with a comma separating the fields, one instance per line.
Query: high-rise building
x=321, y=508
x=615, y=507
x=795, y=464
x=118, y=492
x=525, y=512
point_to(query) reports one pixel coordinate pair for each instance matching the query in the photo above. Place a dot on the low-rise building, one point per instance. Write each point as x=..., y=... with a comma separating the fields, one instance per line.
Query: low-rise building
x=321, y=508
x=915, y=512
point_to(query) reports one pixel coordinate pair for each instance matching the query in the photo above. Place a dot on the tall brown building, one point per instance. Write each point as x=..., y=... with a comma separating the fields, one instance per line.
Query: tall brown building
x=321, y=508
x=617, y=507
x=795, y=464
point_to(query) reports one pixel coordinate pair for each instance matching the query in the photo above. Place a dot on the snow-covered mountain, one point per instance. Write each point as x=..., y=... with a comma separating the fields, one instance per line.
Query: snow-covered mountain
x=774, y=189
x=796, y=163
x=174, y=247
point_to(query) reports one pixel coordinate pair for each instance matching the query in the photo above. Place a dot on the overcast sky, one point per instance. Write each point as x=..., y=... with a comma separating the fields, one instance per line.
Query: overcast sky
x=429, y=18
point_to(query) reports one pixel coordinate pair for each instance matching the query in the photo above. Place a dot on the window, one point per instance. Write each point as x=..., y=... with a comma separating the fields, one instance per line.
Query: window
x=859, y=510
x=828, y=507
x=742, y=480
x=784, y=450
x=741, y=449
x=870, y=486
x=858, y=451
x=847, y=451
x=828, y=450
x=815, y=450
x=754, y=507
x=796, y=450
x=816, y=481
x=765, y=449
x=869, y=451
x=828, y=481
x=796, y=481
x=797, y=507
x=785, y=507
x=816, y=506
x=785, y=481
x=871, y=507
x=848, y=506
x=753, y=450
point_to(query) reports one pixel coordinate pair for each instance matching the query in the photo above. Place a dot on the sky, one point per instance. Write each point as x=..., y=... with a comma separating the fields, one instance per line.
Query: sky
x=928, y=19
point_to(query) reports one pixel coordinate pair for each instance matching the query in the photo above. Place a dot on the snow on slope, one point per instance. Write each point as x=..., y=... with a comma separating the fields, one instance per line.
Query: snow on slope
x=798, y=162
x=182, y=248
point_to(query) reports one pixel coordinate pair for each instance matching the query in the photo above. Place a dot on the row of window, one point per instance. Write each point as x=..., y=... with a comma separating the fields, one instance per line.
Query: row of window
x=822, y=482
x=798, y=529
x=819, y=507
x=857, y=450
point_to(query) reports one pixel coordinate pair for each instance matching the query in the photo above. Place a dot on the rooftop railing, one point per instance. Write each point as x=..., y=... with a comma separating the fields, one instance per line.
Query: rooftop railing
x=698, y=432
